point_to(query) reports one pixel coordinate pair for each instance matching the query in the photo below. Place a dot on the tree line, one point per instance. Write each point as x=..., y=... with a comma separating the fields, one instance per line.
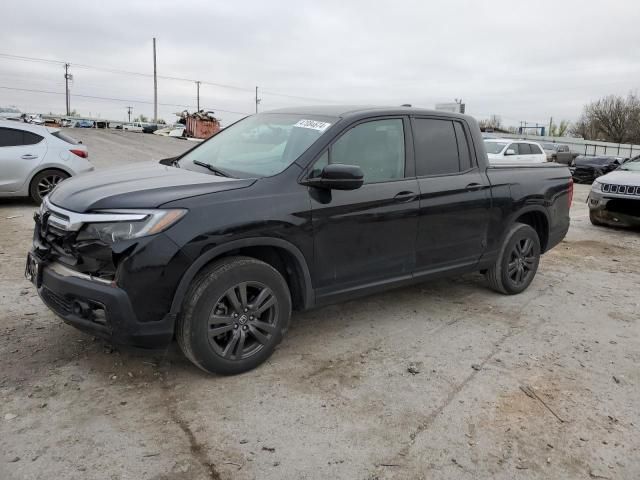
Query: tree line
x=611, y=119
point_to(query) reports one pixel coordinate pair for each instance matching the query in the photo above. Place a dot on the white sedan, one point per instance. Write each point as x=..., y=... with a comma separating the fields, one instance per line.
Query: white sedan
x=504, y=150
x=34, y=159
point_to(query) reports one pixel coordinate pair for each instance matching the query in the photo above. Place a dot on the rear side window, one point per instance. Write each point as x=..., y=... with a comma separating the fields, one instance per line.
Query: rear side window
x=64, y=137
x=535, y=149
x=524, y=149
x=10, y=137
x=30, y=138
x=464, y=153
x=436, y=147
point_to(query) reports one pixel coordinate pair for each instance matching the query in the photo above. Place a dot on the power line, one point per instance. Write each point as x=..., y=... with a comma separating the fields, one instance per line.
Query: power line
x=164, y=77
x=95, y=97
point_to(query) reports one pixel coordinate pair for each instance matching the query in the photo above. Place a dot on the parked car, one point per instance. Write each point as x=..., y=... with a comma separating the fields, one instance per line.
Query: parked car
x=150, y=128
x=133, y=127
x=615, y=197
x=218, y=249
x=585, y=169
x=82, y=124
x=10, y=113
x=558, y=152
x=35, y=159
x=501, y=150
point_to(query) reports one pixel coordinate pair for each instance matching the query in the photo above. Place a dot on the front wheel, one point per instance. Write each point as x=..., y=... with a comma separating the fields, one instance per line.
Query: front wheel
x=517, y=262
x=234, y=315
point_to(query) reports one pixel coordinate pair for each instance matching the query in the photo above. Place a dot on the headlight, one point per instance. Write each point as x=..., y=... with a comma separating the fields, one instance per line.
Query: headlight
x=596, y=186
x=154, y=221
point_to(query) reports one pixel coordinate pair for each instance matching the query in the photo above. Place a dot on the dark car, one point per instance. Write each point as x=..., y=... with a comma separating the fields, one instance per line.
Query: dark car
x=585, y=169
x=283, y=210
x=149, y=128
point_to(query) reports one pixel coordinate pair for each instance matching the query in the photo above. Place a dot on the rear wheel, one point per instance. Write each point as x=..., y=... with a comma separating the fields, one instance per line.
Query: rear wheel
x=44, y=182
x=517, y=261
x=234, y=315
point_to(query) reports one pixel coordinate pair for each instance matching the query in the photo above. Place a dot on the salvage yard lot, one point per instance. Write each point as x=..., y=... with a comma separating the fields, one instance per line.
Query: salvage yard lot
x=337, y=399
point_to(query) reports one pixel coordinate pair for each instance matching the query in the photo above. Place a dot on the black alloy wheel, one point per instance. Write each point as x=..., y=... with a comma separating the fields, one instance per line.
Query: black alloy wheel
x=243, y=320
x=522, y=262
x=234, y=314
x=517, y=262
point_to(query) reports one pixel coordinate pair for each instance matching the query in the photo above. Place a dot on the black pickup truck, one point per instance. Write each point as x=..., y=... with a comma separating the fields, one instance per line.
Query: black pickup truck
x=289, y=209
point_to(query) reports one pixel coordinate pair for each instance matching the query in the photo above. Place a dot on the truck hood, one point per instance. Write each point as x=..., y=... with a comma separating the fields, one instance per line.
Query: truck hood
x=621, y=177
x=143, y=185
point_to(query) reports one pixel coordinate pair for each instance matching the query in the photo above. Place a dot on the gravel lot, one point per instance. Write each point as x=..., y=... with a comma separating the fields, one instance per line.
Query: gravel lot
x=337, y=400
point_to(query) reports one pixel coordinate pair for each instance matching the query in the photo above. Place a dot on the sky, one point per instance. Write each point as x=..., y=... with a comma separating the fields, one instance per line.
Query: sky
x=522, y=61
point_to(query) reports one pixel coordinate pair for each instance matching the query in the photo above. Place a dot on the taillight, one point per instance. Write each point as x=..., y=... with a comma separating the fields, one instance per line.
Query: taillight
x=570, y=191
x=80, y=153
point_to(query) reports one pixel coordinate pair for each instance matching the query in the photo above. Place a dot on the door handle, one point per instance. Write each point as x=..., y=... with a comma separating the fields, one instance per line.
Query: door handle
x=473, y=187
x=28, y=156
x=405, y=196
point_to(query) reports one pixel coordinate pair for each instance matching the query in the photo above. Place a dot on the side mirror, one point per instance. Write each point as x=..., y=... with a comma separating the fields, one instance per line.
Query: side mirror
x=167, y=161
x=510, y=151
x=337, y=176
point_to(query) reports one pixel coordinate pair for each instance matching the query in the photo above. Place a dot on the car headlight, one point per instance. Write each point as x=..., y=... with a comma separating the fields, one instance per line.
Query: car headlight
x=596, y=187
x=109, y=232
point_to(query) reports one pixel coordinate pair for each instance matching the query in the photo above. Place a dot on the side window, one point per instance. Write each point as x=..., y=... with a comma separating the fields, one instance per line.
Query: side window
x=30, y=138
x=523, y=149
x=377, y=147
x=535, y=149
x=436, y=147
x=10, y=137
x=464, y=153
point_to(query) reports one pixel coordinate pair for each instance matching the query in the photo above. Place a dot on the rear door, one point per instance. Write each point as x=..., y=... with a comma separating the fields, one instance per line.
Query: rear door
x=455, y=196
x=367, y=236
x=20, y=154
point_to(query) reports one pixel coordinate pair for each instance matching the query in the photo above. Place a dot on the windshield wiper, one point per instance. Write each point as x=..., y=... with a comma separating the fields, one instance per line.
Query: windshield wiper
x=217, y=171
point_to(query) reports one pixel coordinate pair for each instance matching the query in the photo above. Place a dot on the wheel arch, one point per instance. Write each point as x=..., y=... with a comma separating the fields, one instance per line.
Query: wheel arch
x=280, y=254
x=538, y=219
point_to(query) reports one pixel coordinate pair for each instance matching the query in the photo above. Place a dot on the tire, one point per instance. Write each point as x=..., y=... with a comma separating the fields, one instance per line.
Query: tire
x=247, y=332
x=45, y=181
x=520, y=251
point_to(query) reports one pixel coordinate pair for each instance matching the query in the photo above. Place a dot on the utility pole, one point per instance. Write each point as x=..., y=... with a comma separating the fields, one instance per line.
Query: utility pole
x=66, y=81
x=155, y=84
x=198, y=95
x=129, y=110
x=257, y=99
x=550, y=124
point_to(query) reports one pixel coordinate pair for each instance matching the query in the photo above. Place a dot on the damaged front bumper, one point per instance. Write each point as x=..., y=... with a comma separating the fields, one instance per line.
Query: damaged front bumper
x=94, y=305
x=615, y=211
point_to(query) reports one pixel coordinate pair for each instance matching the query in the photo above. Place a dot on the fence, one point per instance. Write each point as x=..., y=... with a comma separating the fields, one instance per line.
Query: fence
x=586, y=147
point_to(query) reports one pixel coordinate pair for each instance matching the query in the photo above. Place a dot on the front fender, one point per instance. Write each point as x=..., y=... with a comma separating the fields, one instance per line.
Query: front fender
x=220, y=250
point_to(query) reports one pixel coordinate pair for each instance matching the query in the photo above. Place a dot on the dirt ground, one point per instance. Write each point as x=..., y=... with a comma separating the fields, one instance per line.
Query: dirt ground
x=545, y=384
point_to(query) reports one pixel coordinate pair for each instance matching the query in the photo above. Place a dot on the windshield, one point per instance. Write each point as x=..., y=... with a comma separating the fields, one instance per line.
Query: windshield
x=548, y=146
x=258, y=146
x=495, y=147
x=631, y=165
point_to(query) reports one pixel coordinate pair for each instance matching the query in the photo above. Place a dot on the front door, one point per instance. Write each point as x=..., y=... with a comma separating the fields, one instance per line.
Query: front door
x=455, y=198
x=20, y=153
x=366, y=237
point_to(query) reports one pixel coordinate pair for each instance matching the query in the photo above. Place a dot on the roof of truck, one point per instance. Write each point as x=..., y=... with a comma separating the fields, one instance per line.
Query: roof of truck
x=360, y=110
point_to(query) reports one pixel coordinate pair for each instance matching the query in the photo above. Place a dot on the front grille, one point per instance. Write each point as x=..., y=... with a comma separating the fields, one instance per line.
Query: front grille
x=58, y=303
x=621, y=189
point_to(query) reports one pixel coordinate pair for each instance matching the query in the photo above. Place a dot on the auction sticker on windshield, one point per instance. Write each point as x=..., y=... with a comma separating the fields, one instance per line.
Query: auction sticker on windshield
x=313, y=124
